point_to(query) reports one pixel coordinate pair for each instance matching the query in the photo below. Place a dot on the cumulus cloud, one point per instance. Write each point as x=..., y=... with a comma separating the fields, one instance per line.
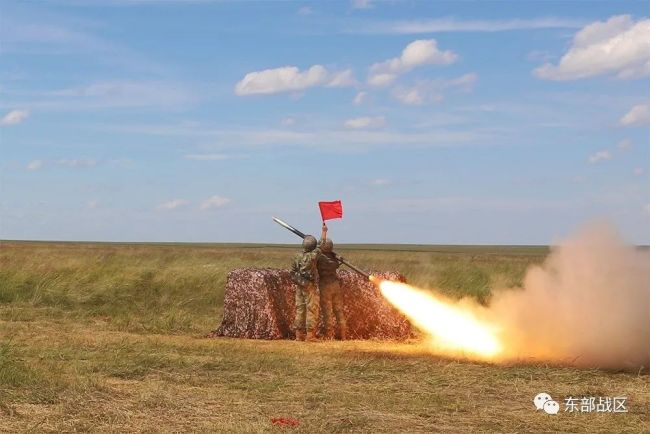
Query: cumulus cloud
x=412, y=95
x=365, y=122
x=638, y=115
x=172, y=204
x=600, y=156
x=381, y=79
x=291, y=79
x=432, y=90
x=14, y=117
x=619, y=46
x=214, y=202
x=342, y=79
x=35, y=165
x=417, y=53
x=360, y=98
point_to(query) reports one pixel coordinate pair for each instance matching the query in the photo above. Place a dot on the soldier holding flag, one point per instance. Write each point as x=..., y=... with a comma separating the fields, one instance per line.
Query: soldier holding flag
x=331, y=299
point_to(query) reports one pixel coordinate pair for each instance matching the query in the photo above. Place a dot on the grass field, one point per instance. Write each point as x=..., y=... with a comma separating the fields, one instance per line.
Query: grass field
x=110, y=338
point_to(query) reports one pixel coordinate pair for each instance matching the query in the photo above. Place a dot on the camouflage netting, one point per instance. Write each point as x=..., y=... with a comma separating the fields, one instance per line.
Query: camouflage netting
x=259, y=304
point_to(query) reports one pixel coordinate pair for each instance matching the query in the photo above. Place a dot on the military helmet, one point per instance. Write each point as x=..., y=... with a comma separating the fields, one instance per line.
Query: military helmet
x=309, y=243
x=327, y=245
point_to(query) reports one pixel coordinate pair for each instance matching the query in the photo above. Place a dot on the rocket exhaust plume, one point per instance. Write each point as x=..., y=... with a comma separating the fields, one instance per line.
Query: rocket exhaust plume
x=453, y=328
x=588, y=304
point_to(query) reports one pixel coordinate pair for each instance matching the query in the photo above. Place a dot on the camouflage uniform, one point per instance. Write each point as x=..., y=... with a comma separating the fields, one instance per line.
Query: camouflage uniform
x=331, y=299
x=305, y=275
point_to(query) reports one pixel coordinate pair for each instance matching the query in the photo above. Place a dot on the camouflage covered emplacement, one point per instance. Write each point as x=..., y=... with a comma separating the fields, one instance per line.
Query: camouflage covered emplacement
x=259, y=303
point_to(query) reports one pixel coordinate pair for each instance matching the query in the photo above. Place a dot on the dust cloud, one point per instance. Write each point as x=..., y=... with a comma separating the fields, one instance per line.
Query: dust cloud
x=588, y=304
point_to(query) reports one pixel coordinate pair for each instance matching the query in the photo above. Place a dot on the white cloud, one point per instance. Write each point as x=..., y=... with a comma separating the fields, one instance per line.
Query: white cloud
x=361, y=4
x=411, y=95
x=360, y=98
x=305, y=10
x=638, y=115
x=624, y=145
x=92, y=204
x=647, y=209
x=291, y=79
x=206, y=157
x=35, y=165
x=618, y=46
x=38, y=33
x=110, y=94
x=214, y=202
x=638, y=171
x=287, y=122
x=464, y=82
x=343, y=78
x=128, y=94
x=380, y=182
x=123, y=163
x=600, y=156
x=14, y=117
x=382, y=79
x=432, y=90
x=417, y=53
x=76, y=162
x=439, y=25
x=327, y=138
x=366, y=122
x=172, y=204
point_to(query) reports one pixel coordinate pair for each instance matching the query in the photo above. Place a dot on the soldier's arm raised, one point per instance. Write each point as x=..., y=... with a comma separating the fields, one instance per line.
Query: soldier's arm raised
x=323, y=233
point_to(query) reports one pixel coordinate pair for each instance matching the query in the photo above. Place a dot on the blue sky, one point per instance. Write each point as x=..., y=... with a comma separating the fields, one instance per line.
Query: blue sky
x=433, y=122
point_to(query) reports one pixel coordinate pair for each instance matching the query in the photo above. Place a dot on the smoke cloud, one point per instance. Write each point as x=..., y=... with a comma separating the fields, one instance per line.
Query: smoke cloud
x=588, y=304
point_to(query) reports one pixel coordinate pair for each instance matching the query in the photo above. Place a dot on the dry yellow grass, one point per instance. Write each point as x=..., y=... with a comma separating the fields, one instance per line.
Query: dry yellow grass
x=109, y=338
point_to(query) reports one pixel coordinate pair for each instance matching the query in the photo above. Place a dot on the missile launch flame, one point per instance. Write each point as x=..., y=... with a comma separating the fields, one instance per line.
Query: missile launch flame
x=453, y=330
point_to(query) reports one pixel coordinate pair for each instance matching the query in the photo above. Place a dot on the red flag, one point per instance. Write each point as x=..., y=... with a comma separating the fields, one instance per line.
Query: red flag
x=331, y=210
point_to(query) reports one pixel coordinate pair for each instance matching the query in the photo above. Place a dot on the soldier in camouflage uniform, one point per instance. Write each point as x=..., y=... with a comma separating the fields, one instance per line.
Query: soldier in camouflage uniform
x=331, y=300
x=305, y=275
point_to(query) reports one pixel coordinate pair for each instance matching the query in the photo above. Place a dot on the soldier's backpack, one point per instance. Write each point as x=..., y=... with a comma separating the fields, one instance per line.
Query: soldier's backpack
x=303, y=269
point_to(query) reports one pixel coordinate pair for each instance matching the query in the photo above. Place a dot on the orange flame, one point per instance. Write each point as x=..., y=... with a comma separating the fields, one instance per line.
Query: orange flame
x=454, y=329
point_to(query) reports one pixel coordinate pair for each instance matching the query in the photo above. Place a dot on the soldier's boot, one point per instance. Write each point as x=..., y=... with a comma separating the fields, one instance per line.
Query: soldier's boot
x=300, y=335
x=311, y=336
x=343, y=333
